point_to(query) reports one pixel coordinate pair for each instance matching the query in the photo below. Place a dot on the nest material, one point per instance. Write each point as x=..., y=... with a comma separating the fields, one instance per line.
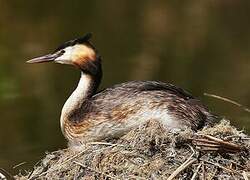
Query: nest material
x=152, y=152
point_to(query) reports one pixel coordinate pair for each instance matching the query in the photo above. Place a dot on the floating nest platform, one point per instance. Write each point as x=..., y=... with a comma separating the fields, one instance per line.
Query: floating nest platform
x=152, y=152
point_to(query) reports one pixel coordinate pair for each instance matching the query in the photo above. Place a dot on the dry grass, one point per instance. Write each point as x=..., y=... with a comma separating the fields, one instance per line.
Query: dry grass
x=151, y=152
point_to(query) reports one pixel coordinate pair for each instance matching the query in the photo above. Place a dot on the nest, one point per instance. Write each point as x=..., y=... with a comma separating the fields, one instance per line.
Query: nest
x=152, y=152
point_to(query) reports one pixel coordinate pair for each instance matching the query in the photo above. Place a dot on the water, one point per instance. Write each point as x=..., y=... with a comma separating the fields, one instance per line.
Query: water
x=200, y=46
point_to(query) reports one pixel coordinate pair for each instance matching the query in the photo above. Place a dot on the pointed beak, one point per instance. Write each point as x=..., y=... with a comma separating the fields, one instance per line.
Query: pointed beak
x=41, y=59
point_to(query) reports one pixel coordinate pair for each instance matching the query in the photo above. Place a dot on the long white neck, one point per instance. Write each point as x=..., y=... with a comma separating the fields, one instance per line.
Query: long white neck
x=78, y=97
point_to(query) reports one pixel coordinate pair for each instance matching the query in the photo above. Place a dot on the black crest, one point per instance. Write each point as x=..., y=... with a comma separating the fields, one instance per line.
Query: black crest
x=81, y=40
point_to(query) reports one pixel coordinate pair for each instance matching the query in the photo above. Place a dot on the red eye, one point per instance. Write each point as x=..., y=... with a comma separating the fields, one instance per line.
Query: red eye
x=61, y=52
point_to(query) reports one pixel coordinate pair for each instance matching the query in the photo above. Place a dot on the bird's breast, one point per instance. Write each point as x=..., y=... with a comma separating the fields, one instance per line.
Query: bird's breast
x=97, y=126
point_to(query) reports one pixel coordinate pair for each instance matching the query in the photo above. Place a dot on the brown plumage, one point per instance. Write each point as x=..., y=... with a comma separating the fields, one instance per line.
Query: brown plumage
x=91, y=116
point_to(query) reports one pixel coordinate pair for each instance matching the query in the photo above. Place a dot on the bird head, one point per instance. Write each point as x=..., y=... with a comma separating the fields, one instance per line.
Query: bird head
x=78, y=52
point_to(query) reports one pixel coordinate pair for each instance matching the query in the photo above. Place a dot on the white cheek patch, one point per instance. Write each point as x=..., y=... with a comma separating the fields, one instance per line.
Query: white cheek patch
x=66, y=58
x=76, y=54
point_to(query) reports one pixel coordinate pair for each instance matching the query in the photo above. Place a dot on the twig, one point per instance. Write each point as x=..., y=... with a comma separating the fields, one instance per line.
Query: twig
x=20, y=164
x=216, y=144
x=203, y=171
x=102, y=173
x=245, y=176
x=235, y=163
x=38, y=162
x=187, y=163
x=196, y=172
x=136, y=177
x=228, y=100
x=33, y=169
x=232, y=136
x=54, y=169
x=192, y=149
x=103, y=143
x=245, y=138
x=213, y=174
x=5, y=174
x=222, y=167
x=206, y=142
x=227, y=144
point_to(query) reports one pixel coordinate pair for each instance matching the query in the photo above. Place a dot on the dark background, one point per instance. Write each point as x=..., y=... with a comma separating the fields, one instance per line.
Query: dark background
x=202, y=46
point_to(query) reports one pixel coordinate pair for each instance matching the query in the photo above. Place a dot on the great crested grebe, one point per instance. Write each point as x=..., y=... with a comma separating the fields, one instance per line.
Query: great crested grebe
x=89, y=115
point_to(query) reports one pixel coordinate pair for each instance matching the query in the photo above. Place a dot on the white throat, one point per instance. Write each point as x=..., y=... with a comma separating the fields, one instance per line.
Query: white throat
x=77, y=97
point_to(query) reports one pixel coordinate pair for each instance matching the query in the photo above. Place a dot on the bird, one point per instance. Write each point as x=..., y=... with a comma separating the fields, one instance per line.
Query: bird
x=90, y=115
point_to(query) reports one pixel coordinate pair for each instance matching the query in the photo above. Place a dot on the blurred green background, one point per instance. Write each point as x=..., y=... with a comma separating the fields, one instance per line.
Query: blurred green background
x=202, y=46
